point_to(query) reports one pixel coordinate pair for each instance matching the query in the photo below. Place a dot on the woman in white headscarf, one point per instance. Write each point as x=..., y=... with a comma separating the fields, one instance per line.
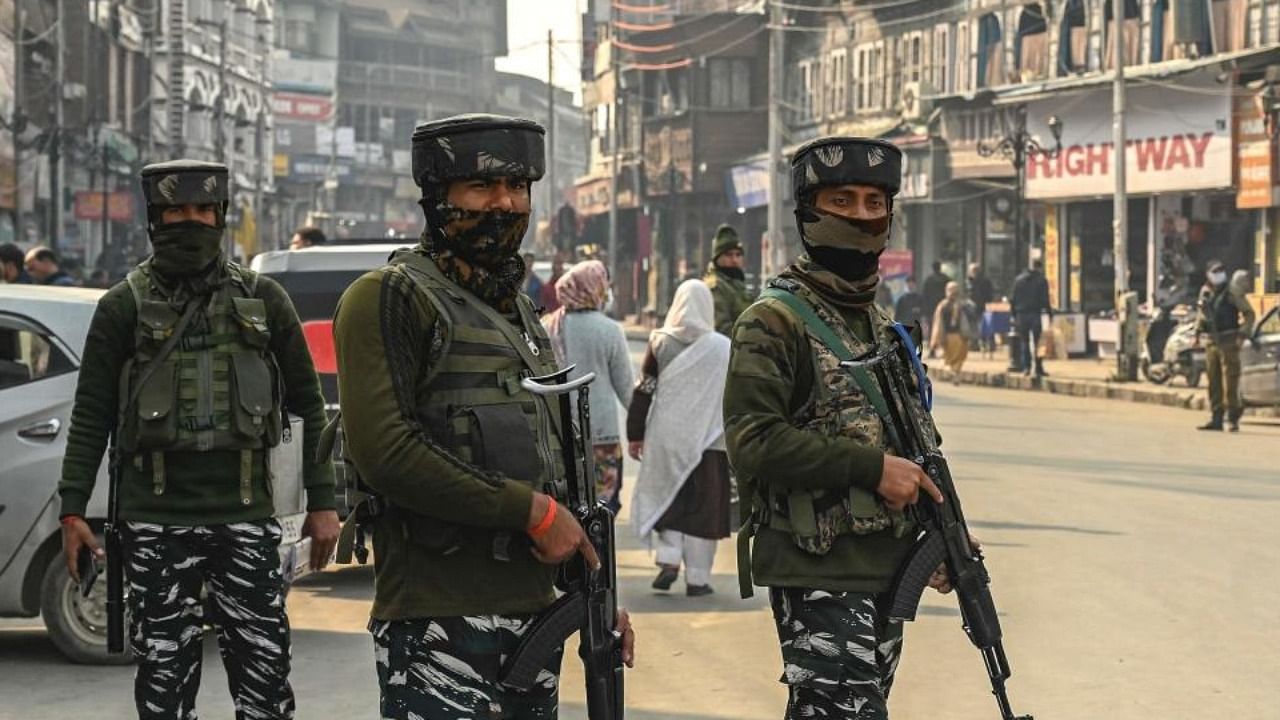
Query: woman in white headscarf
x=675, y=428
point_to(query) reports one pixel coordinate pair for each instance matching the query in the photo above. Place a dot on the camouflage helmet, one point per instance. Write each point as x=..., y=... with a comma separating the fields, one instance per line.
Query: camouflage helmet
x=845, y=161
x=477, y=145
x=185, y=182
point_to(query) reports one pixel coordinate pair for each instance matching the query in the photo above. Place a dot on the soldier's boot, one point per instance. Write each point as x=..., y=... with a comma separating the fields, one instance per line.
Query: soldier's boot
x=666, y=577
x=1215, y=423
x=1233, y=422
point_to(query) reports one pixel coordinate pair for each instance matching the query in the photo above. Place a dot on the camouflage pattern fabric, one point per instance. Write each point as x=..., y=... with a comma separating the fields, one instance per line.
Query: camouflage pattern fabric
x=478, y=145
x=447, y=669
x=183, y=182
x=608, y=469
x=239, y=564
x=839, y=653
x=730, y=297
x=846, y=160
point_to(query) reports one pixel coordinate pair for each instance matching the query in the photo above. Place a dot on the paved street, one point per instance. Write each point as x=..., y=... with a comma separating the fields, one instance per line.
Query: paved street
x=1131, y=558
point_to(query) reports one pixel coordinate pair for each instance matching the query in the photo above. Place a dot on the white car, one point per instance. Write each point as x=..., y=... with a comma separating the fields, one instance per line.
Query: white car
x=42, y=334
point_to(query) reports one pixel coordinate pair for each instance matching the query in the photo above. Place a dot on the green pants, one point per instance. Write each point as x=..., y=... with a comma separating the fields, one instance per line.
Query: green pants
x=1223, y=366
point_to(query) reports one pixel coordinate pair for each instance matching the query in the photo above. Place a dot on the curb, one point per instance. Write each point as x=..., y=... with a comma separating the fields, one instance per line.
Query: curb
x=1188, y=399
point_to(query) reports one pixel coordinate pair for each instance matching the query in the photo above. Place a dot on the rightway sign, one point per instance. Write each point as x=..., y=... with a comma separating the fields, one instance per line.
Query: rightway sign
x=1178, y=138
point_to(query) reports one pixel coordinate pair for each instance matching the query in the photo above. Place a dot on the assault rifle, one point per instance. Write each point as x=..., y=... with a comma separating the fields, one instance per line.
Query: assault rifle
x=115, y=554
x=886, y=379
x=589, y=605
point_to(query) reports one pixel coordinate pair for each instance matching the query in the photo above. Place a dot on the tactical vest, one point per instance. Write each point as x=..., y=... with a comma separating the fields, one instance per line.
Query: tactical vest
x=837, y=407
x=473, y=404
x=1222, y=315
x=217, y=389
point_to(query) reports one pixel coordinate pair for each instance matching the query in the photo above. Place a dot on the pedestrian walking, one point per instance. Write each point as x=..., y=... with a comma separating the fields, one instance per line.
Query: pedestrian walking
x=935, y=289
x=190, y=365
x=980, y=292
x=1027, y=304
x=547, y=293
x=466, y=463
x=909, y=310
x=44, y=269
x=532, y=283
x=810, y=448
x=1224, y=319
x=674, y=427
x=13, y=265
x=584, y=337
x=727, y=279
x=953, y=328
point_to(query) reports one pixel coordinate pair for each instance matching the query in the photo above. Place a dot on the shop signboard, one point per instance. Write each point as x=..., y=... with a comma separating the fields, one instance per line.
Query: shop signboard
x=88, y=205
x=749, y=185
x=1052, y=255
x=1254, y=162
x=1178, y=139
x=302, y=108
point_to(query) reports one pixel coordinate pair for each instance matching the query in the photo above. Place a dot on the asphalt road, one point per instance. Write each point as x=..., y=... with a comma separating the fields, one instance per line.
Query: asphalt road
x=1132, y=560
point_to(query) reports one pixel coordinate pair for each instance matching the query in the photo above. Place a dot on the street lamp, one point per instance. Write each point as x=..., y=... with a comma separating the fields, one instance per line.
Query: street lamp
x=1017, y=145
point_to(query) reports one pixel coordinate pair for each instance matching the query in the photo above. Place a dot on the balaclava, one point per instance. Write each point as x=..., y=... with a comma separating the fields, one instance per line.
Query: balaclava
x=485, y=257
x=188, y=248
x=847, y=247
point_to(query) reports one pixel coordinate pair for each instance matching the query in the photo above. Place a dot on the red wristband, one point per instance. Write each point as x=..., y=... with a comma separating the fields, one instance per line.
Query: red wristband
x=544, y=525
x=66, y=519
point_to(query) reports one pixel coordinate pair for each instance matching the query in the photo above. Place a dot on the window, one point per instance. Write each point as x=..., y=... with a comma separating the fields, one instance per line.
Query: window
x=861, y=77
x=876, y=72
x=730, y=80
x=941, y=58
x=963, y=58
x=1073, y=39
x=837, y=83
x=26, y=355
x=1132, y=33
x=990, y=52
x=1031, y=46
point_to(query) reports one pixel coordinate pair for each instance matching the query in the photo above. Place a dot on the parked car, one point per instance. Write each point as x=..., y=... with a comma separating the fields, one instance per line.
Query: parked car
x=1260, y=363
x=42, y=335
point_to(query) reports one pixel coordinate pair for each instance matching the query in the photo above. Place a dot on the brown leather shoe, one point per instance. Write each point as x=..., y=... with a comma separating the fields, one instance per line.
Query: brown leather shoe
x=698, y=590
x=666, y=578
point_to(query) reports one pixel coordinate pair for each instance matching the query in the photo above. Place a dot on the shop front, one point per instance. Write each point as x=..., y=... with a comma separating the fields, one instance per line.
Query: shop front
x=591, y=199
x=1181, y=208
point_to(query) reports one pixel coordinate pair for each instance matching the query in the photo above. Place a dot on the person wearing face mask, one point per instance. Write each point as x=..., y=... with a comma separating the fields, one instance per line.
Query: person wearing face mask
x=466, y=464
x=1225, y=319
x=191, y=364
x=822, y=489
x=726, y=278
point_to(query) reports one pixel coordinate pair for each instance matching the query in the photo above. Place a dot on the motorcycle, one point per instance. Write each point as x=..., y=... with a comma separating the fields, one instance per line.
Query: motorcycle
x=1171, y=349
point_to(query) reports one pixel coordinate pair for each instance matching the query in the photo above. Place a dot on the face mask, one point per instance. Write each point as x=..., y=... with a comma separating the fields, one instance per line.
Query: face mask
x=850, y=248
x=1218, y=278
x=184, y=248
x=734, y=272
x=491, y=240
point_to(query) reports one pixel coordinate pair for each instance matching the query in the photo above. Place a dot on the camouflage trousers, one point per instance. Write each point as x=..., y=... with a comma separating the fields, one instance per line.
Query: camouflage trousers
x=839, y=653
x=447, y=669
x=239, y=564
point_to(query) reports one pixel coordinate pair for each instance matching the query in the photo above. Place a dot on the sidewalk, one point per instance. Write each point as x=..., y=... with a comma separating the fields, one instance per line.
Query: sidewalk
x=1085, y=377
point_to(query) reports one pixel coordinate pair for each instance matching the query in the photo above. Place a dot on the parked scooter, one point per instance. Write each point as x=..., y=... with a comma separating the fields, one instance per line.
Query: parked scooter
x=1171, y=350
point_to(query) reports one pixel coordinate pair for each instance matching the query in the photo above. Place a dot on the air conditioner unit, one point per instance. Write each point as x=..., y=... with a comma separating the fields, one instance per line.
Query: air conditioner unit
x=910, y=104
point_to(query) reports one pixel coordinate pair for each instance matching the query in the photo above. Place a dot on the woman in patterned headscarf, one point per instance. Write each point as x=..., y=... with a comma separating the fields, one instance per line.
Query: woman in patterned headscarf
x=582, y=335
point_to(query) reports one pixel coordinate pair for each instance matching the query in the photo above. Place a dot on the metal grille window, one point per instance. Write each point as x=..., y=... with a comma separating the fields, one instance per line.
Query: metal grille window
x=837, y=83
x=730, y=80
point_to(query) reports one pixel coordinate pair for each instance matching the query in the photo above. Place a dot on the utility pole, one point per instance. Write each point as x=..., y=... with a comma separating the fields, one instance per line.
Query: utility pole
x=220, y=114
x=13, y=121
x=1126, y=302
x=615, y=130
x=55, y=143
x=552, y=195
x=771, y=259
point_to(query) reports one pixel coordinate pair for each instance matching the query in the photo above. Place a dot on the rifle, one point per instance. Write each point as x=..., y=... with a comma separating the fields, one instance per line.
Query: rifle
x=589, y=605
x=115, y=554
x=885, y=378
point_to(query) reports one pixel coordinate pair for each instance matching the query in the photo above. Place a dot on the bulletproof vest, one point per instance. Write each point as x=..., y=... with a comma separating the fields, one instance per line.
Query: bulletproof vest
x=217, y=389
x=836, y=406
x=473, y=404
x=1223, y=315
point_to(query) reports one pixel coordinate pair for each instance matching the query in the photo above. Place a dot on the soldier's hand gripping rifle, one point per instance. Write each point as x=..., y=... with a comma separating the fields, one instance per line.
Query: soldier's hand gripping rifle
x=944, y=536
x=589, y=605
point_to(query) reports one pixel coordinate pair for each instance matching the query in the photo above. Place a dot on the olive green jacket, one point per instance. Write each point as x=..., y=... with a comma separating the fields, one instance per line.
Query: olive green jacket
x=730, y=296
x=202, y=488
x=771, y=376
x=387, y=342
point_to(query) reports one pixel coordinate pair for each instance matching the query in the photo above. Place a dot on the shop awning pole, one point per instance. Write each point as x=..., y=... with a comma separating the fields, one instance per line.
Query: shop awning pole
x=1126, y=306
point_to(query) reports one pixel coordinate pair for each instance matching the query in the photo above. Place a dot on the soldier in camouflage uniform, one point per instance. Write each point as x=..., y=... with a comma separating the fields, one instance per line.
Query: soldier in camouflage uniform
x=466, y=464
x=726, y=279
x=823, y=493
x=193, y=422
